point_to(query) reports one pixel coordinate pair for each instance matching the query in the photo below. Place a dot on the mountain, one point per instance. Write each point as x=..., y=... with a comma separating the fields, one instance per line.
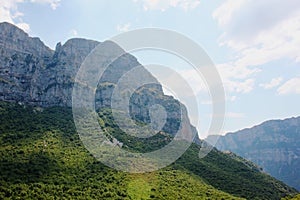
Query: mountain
x=42, y=157
x=274, y=145
x=33, y=74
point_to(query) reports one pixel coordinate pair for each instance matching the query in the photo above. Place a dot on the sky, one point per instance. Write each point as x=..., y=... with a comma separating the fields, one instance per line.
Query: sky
x=254, y=45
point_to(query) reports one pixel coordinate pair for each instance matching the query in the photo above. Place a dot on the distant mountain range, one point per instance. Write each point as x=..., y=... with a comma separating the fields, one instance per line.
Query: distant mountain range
x=42, y=157
x=274, y=145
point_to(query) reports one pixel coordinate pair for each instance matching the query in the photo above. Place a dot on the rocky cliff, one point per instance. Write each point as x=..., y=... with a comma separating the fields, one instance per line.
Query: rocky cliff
x=273, y=145
x=32, y=73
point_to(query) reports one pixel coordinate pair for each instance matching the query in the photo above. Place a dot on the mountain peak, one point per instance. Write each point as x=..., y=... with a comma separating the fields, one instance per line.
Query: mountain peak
x=80, y=43
x=15, y=39
x=13, y=30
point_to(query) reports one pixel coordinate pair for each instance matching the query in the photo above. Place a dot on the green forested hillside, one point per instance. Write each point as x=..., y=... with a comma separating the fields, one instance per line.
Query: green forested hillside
x=43, y=158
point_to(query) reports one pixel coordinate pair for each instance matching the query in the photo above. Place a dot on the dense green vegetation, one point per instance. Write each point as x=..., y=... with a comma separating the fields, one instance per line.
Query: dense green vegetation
x=132, y=143
x=225, y=171
x=43, y=158
x=297, y=197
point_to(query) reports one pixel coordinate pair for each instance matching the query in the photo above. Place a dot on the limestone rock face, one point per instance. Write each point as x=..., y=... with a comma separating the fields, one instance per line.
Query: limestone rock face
x=54, y=82
x=32, y=73
x=273, y=145
x=13, y=39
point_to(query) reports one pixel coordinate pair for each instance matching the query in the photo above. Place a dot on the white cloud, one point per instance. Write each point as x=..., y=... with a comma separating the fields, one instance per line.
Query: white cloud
x=258, y=32
x=24, y=26
x=5, y=14
x=224, y=13
x=9, y=11
x=73, y=33
x=235, y=78
x=290, y=87
x=162, y=5
x=274, y=82
x=262, y=31
x=124, y=27
x=243, y=86
x=245, y=18
x=53, y=3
